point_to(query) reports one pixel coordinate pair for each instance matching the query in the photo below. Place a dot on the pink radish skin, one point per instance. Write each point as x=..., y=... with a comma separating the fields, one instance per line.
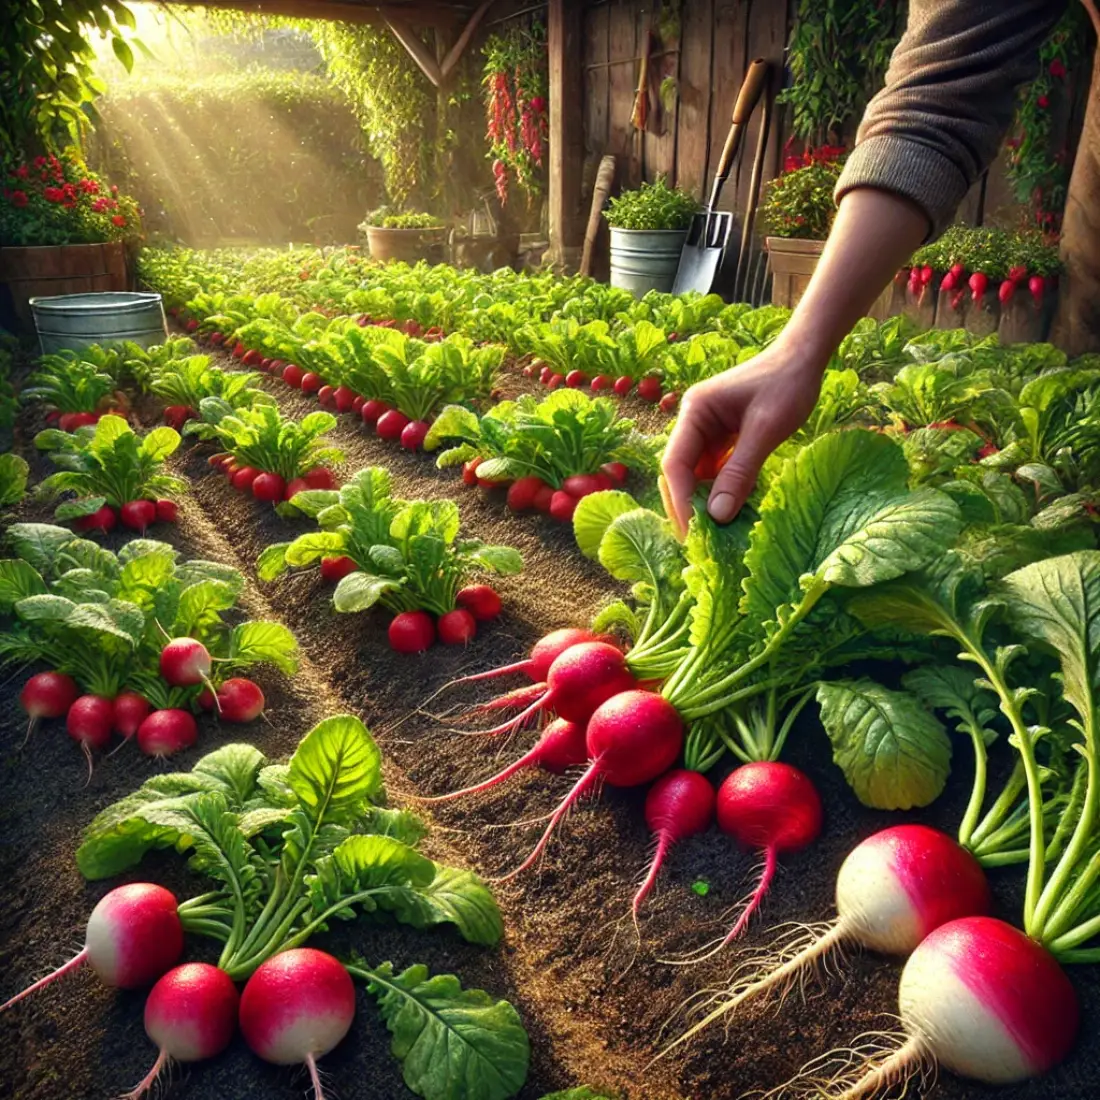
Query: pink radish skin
x=191, y=1015
x=480, y=600
x=132, y=937
x=680, y=804
x=632, y=738
x=131, y=710
x=579, y=680
x=138, y=514
x=334, y=570
x=411, y=632
x=90, y=721
x=982, y=999
x=166, y=732
x=185, y=662
x=297, y=1007
x=457, y=627
x=562, y=745
x=240, y=700
x=893, y=889
x=47, y=695
x=772, y=807
x=543, y=654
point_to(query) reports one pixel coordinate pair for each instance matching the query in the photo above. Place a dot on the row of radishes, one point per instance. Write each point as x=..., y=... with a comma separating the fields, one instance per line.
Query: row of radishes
x=266, y=486
x=956, y=282
x=531, y=493
x=650, y=388
x=416, y=631
x=137, y=515
x=294, y=1009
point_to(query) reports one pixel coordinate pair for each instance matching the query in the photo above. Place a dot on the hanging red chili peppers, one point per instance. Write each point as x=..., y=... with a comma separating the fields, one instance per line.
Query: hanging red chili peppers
x=515, y=106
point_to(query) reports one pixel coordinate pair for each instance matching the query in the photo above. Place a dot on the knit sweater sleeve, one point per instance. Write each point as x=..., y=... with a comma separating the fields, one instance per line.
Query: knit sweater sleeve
x=948, y=100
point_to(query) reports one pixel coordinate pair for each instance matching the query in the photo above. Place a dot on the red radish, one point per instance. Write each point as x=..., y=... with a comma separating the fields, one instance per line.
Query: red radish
x=130, y=711
x=412, y=435
x=581, y=485
x=175, y=416
x=296, y=1007
x=344, y=398
x=192, y=325
x=206, y=699
x=372, y=410
x=668, y=403
x=605, y=481
x=528, y=371
x=240, y=700
x=543, y=654
x=102, y=519
x=602, y=382
x=457, y=627
x=491, y=482
x=949, y=281
x=243, y=478
x=325, y=395
x=132, y=937
x=926, y=274
x=469, y=470
x=298, y=485
x=1036, y=284
x=892, y=890
x=555, y=381
x=138, y=514
x=265, y=364
x=982, y=999
x=252, y=358
x=311, y=382
x=185, y=662
x=217, y=338
x=579, y=680
x=411, y=632
x=53, y=416
x=268, y=487
x=978, y=283
x=191, y=1015
x=544, y=498
x=167, y=511
x=1005, y=291
x=522, y=492
x=680, y=804
x=958, y=270
x=1018, y=273
x=89, y=721
x=480, y=600
x=562, y=506
x=623, y=385
x=617, y=471
x=335, y=569
x=391, y=424
x=69, y=422
x=575, y=379
x=561, y=746
x=545, y=374
x=293, y=375
x=216, y=462
x=772, y=807
x=649, y=388
x=357, y=404
x=673, y=337
x=47, y=695
x=277, y=367
x=632, y=738
x=166, y=732
x=239, y=350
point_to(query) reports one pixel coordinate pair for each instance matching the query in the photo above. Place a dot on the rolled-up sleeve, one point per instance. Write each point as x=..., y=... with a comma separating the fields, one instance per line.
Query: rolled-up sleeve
x=948, y=100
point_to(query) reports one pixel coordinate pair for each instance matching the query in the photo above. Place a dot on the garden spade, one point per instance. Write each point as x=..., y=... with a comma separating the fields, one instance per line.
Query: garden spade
x=710, y=230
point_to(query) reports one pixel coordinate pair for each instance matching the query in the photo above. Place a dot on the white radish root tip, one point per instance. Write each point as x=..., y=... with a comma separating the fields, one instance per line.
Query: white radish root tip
x=162, y=1063
x=74, y=963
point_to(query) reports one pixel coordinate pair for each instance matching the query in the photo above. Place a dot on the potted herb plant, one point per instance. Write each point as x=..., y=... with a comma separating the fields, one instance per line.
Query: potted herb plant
x=393, y=235
x=797, y=212
x=648, y=229
x=63, y=230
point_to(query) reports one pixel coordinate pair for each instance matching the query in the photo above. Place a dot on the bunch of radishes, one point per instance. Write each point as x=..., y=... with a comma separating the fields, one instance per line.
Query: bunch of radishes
x=533, y=493
x=295, y=1007
x=416, y=631
x=266, y=486
x=393, y=425
x=650, y=388
x=409, y=327
x=70, y=421
x=137, y=515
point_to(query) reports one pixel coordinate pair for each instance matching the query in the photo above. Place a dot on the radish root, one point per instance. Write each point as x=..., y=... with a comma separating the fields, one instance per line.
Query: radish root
x=74, y=963
x=150, y=1079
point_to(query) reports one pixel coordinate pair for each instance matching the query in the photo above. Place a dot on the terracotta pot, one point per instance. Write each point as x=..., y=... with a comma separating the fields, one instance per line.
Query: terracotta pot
x=44, y=270
x=409, y=245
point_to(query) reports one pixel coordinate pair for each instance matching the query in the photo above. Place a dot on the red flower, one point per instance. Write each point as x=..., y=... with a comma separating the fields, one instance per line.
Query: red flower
x=118, y=220
x=1057, y=69
x=19, y=198
x=89, y=187
x=1043, y=102
x=53, y=194
x=101, y=205
x=39, y=162
x=114, y=188
x=22, y=172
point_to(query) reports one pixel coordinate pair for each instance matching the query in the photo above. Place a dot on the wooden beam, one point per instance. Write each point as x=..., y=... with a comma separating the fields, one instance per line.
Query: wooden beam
x=566, y=156
x=414, y=47
x=345, y=11
x=454, y=55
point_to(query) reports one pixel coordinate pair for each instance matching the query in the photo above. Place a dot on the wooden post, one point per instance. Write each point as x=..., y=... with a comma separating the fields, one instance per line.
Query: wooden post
x=566, y=156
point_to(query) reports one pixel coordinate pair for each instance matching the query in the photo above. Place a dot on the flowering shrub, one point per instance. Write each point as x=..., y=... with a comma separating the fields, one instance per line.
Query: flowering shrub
x=57, y=200
x=799, y=201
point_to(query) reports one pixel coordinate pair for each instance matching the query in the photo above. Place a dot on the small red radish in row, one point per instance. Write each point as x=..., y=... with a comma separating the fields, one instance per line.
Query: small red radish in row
x=413, y=434
x=978, y=284
x=102, y=519
x=296, y=1007
x=575, y=379
x=325, y=396
x=679, y=805
x=132, y=937
x=47, y=695
x=522, y=492
x=311, y=382
x=175, y=416
x=138, y=514
x=166, y=732
x=191, y=1015
x=411, y=632
x=617, y=471
x=267, y=487
x=480, y=600
x=240, y=700
x=371, y=410
x=185, y=662
x=335, y=569
x=320, y=477
x=130, y=710
x=632, y=738
x=391, y=424
x=649, y=388
x=344, y=398
x=89, y=721
x=562, y=506
x=69, y=422
x=469, y=470
x=457, y=627
x=167, y=511
x=537, y=666
x=292, y=375
x=668, y=403
x=601, y=382
x=243, y=477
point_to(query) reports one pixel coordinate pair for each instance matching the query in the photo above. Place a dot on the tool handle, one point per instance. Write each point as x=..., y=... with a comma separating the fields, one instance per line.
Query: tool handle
x=605, y=176
x=747, y=98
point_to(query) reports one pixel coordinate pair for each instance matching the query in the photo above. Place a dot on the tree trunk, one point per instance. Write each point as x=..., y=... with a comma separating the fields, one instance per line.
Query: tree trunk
x=1077, y=324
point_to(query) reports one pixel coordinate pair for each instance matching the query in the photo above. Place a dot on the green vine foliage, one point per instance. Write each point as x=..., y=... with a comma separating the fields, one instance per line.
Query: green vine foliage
x=838, y=51
x=47, y=83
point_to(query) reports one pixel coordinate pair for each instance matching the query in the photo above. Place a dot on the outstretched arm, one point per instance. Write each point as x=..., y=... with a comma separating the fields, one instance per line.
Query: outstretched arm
x=924, y=141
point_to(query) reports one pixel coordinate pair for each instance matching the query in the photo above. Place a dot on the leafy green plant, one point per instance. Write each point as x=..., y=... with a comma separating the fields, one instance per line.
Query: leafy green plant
x=290, y=850
x=386, y=218
x=407, y=554
x=13, y=479
x=76, y=382
x=108, y=463
x=800, y=203
x=652, y=206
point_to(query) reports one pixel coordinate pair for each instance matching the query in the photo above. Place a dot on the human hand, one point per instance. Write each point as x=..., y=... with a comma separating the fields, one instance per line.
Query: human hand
x=753, y=408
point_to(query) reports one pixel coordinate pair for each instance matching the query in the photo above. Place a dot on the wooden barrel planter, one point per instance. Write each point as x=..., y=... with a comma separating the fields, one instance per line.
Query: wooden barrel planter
x=44, y=270
x=793, y=261
x=409, y=245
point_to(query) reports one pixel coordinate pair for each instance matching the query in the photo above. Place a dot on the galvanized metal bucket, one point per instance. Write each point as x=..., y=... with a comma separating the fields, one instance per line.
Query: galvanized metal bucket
x=645, y=259
x=74, y=321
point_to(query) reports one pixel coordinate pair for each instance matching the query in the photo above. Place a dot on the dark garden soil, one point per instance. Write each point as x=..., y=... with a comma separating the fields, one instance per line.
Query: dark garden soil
x=594, y=1001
